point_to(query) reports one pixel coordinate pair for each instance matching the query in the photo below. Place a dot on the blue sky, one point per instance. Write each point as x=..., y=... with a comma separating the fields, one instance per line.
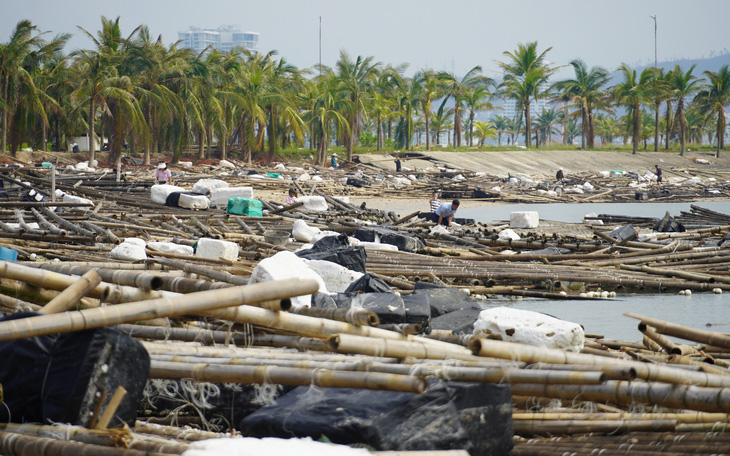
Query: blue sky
x=452, y=36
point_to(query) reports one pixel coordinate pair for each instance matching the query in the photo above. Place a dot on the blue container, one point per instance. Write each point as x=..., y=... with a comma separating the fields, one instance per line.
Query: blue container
x=8, y=254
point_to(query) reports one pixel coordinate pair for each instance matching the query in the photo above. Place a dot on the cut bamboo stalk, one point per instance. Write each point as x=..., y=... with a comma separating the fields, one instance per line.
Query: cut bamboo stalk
x=531, y=354
x=685, y=332
x=287, y=376
x=567, y=427
x=109, y=437
x=154, y=308
x=681, y=397
x=662, y=341
x=71, y=295
x=24, y=445
x=111, y=408
x=687, y=417
x=360, y=317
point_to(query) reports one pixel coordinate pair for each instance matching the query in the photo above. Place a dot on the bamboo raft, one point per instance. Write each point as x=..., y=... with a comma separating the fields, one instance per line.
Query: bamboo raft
x=202, y=322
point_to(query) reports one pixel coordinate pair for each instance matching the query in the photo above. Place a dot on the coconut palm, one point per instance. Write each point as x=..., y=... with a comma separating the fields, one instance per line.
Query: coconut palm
x=476, y=99
x=24, y=51
x=434, y=86
x=712, y=99
x=456, y=88
x=407, y=92
x=545, y=125
x=607, y=128
x=484, y=131
x=442, y=120
x=681, y=85
x=586, y=92
x=632, y=93
x=329, y=101
x=357, y=78
x=525, y=74
x=501, y=124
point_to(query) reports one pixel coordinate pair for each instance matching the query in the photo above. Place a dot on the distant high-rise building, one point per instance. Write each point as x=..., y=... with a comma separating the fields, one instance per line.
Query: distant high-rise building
x=223, y=38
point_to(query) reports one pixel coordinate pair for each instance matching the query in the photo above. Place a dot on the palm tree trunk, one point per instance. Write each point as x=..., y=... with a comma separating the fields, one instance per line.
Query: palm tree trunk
x=92, y=113
x=583, y=128
x=457, y=125
x=636, y=124
x=200, y=139
x=668, y=119
x=209, y=141
x=427, y=115
x=380, y=133
x=591, y=131
x=6, y=110
x=720, y=131
x=656, y=127
x=682, y=126
x=528, y=126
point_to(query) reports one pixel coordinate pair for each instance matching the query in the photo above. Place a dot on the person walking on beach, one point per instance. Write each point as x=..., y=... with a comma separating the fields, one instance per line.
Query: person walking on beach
x=163, y=175
x=559, y=176
x=397, y=165
x=434, y=202
x=658, y=174
x=333, y=162
x=446, y=211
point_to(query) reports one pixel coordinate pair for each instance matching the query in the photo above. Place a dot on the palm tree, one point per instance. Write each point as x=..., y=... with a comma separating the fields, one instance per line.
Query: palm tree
x=632, y=93
x=712, y=99
x=525, y=74
x=607, y=127
x=456, y=88
x=433, y=87
x=408, y=95
x=501, y=124
x=659, y=94
x=442, y=120
x=585, y=92
x=357, y=78
x=18, y=57
x=546, y=125
x=476, y=99
x=329, y=101
x=681, y=85
x=485, y=130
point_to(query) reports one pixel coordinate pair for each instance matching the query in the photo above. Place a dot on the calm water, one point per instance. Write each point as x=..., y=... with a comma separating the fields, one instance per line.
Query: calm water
x=606, y=317
x=574, y=213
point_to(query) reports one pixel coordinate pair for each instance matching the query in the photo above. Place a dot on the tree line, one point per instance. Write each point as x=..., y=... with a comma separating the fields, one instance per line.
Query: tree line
x=134, y=90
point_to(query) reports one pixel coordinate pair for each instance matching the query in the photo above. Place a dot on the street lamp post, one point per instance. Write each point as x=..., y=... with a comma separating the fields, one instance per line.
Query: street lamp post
x=655, y=54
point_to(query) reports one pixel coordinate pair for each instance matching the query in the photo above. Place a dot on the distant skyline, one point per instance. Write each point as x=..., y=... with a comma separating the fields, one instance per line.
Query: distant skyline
x=452, y=36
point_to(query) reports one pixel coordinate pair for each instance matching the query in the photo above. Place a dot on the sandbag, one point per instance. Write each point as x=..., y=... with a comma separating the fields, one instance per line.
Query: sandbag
x=59, y=378
x=418, y=311
x=350, y=257
x=404, y=241
x=444, y=300
x=449, y=415
x=369, y=283
x=388, y=306
x=359, y=183
x=458, y=322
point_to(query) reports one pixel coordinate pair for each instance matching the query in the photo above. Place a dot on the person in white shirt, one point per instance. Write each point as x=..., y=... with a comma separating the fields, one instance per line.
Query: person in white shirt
x=446, y=212
x=434, y=202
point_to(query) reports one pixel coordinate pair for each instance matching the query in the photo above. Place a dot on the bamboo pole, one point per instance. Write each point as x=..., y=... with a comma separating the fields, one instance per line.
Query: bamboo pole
x=684, y=332
x=287, y=376
x=23, y=445
x=360, y=317
x=686, y=417
x=347, y=343
x=71, y=295
x=154, y=308
x=567, y=427
x=681, y=397
x=111, y=408
x=662, y=341
x=531, y=354
x=119, y=437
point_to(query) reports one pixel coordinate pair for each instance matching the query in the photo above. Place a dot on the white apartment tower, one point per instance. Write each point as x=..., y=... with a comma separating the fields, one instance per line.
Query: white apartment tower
x=224, y=38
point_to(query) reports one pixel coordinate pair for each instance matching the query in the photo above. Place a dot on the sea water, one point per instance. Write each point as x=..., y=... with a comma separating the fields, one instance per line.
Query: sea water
x=606, y=316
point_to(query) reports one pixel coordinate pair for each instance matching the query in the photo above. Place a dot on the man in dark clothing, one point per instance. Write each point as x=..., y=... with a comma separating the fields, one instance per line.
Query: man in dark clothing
x=559, y=176
x=658, y=174
x=397, y=165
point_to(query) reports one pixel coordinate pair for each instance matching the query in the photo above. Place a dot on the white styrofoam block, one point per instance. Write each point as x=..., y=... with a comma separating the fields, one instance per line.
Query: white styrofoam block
x=459, y=178
x=280, y=167
x=215, y=248
x=587, y=187
x=304, y=177
x=59, y=193
x=185, y=164
x=286, y=265
x=541, y=192
x=573, y=190
x=303, y=232
x=439, y=229
x=344, y=199
x=532, y=328
x=226, y=164
x=219, y=196
x=524, y=219
x=323, y=234
x=313, y=203
x=78, y=199
x=337, y=278
x=377, y=246
x=317, y=179
x=496, y=188
x=159, y=193
x=171, y=247
x=270, y=446
x=693, y=181
x=129, y=251
x=604, y=173
x=193, y=201
x=136, y=241
x=401, y=182
x=508, y=234
x=514, y=180
x=205, y=186
x=412, y=177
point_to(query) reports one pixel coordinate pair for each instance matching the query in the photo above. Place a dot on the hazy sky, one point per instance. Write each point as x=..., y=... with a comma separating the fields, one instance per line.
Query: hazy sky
x=445, y=35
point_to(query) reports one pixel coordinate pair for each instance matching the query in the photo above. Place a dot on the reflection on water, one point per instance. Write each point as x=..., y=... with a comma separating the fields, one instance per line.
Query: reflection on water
x=606, y=317
x=574, y=213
